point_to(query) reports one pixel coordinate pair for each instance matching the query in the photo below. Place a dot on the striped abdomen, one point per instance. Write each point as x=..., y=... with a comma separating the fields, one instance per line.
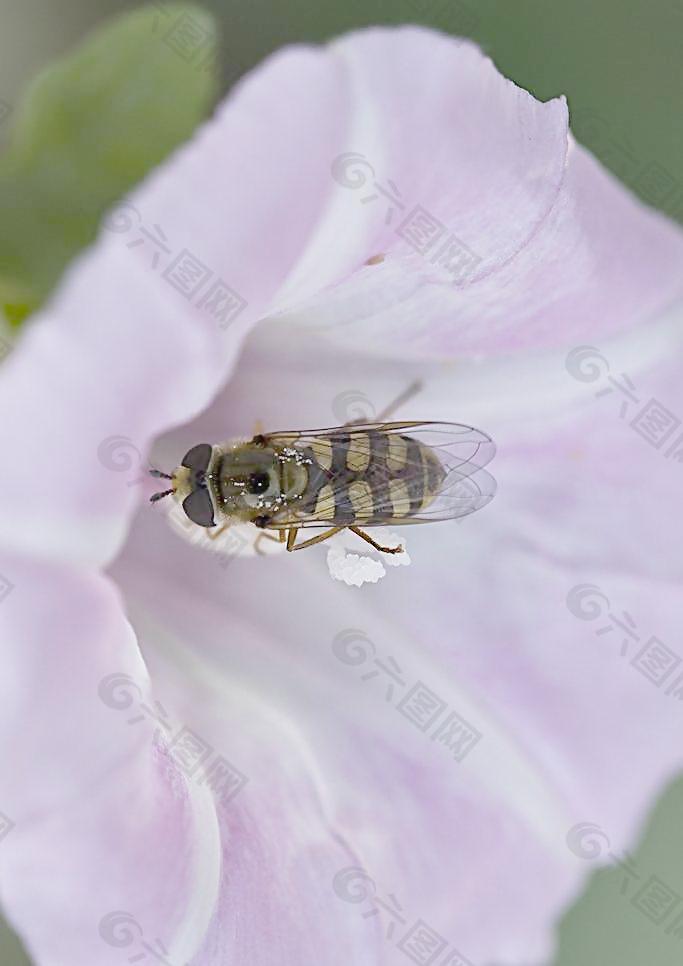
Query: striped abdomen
x=369, y=477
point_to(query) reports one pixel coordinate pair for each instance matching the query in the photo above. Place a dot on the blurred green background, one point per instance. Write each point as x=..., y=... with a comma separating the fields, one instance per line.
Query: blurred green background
x=620, y=63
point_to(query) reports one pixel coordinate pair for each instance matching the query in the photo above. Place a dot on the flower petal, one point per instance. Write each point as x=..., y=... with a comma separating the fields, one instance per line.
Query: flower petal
x=95, y=802
x=543, y=247
x=221, y=232
x=121, y=354
x=143, y=330
x=432, y=125
x=105, y=804
x=486, y=619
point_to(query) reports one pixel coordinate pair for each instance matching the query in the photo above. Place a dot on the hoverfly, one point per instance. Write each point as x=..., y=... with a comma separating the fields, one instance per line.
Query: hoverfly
x=357, y=476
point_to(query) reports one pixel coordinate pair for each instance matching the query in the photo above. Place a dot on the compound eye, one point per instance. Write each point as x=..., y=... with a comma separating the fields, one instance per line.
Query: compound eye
x=199, y=508
x=198, y=458
x=258, y=483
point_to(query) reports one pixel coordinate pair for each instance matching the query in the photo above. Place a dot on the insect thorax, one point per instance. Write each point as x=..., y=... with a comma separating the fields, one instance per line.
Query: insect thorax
x=250, y=481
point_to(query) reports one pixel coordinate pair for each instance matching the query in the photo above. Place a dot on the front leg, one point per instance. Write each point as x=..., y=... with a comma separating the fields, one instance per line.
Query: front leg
x=268, y=536
x=214, y=535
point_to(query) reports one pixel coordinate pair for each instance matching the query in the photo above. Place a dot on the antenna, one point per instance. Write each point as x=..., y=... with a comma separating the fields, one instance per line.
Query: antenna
x=159, y=496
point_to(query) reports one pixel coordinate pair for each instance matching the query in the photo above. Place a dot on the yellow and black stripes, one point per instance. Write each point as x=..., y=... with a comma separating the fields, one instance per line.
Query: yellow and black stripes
x=368, y=477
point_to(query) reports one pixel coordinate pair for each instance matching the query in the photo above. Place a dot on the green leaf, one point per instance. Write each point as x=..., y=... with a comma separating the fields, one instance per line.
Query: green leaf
x=629, y=907
x=91, y=126
x=16, y=304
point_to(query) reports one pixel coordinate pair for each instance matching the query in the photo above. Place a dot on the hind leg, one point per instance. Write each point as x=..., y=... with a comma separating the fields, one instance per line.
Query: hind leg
x=366, y=536
x=407, y=394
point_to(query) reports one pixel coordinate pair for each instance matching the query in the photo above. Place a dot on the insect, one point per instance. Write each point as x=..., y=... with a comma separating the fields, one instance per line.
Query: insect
x=357, y=476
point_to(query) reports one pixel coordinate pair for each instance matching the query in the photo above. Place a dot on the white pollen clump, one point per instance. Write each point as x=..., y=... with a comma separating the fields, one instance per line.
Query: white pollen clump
x=356, y=569
x=395, y=559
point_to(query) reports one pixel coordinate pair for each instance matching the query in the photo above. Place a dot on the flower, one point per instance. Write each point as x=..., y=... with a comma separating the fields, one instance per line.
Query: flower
x=252, y=763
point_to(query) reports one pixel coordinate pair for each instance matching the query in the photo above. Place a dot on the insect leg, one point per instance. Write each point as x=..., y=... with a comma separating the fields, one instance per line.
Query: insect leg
x=268, y=536
x=407, y=394
x=413, y=389
x=366, y=536
x=216, y=535
x=291, y=537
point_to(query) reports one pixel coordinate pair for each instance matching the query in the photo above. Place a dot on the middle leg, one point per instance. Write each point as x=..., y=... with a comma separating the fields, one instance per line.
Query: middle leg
x=291, y=537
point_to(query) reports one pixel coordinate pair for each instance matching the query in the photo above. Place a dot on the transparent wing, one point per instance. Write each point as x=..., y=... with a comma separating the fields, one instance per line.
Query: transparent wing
x=453, y=473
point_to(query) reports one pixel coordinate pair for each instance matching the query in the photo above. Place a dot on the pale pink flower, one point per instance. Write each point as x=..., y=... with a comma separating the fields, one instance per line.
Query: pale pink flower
x=356, y=799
